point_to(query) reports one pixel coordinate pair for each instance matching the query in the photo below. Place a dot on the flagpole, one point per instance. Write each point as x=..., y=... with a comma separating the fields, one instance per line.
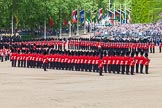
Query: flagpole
x=114, y=14
x=69, y=29
x=77, y=23
x=60, y=26
x=60, y=29
x=12, y=24
x=45, y=32
x=90, y=24
x=120, y=14
x=84, y=23
x=125, y=14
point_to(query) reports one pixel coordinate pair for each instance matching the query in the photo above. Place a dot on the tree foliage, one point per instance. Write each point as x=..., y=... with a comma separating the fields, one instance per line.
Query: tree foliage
x=32, y=13
x=146, y=11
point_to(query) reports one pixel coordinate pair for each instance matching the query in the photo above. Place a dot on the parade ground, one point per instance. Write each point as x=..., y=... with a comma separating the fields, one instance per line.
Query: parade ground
x=35, y=88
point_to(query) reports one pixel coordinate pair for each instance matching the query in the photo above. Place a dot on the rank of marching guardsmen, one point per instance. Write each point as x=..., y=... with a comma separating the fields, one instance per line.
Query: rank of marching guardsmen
x=107, y=62
x=92, y=44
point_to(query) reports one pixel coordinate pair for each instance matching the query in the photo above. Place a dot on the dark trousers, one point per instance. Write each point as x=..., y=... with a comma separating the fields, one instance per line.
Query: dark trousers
x=123, y=69
x=45, y=66
x=137, y=67
x=150, y=50
x=18, y=63
x=159, y=49
x=141, y=68
x=93, y=65
x=100, y=71
x=28, y=64
x=114, y=68
x=118, y=69
x=24, y=63
x=12, y=63
x=105, y=68
x=89, y=67
x=146, y=69
x=21, y=63
x=95, y=68
x=127, y=69
x=1, y=58
x=132, y=70
x=86, y=67
x=153, y=50
x=109, y=68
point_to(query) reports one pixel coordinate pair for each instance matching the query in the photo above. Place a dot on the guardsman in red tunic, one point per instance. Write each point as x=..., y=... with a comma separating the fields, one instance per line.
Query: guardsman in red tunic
x=96, y=63
x=78, y=62
x=21, y=60
x=66, y=60
x=137, y=60
x=122, y=63
x=93, y=62
x=90, y=62
x=82, y=62
x=24, y=60
x=132, y=63
x=12, y=59
x=109, y=59
x=146, y=63
x=28, y=60
x=133, y=47
x=118, y=60
x=75, y=57
x=153, y=47
x=100, y=66
x=127, y=57
x=18, y=59
x=141, y=62
x=45, y=63
x=150, y=46
x=105, y=62
x=114, y=62
x=86, y=62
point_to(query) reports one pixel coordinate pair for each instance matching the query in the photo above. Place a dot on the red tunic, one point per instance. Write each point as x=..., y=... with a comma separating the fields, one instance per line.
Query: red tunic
x=131, y=61
x=142, y=60
x=100, y=64
x=146, y=61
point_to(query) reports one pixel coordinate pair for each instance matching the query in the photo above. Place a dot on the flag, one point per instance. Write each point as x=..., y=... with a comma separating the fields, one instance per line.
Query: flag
x=129, y=18
x=100, y=13
x=111, y=17
x=93, y=15
x=74, y=16
x=65, y=22
x=82, y=16
x=117, y=15
x=51, y=22
x=123, y=16
x=16, y=20
x=88, y=15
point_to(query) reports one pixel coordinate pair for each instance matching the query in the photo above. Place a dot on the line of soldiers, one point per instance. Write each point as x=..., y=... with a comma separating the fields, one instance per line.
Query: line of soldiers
x=116, y=45
x=108, y=62
x=43, y=54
